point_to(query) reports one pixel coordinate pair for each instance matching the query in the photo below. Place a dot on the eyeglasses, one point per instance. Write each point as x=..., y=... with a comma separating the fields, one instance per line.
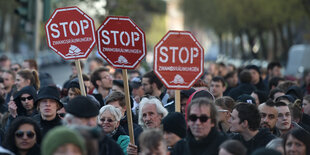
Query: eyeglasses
x=61, y=115
x=15, y=69
x=24, y=98
x=108, y=119
x=20, y=134
x=202, y=118
x=222, y=110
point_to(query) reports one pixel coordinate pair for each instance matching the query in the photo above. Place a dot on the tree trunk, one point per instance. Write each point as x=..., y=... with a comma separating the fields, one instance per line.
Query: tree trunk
x=251, y=39
x=241, y=43
x=220, y=36
x=262, y=44
x=284, y=43
x=275, y=44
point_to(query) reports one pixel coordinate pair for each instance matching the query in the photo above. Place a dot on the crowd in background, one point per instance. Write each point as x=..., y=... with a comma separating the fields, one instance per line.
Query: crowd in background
x=228, y=111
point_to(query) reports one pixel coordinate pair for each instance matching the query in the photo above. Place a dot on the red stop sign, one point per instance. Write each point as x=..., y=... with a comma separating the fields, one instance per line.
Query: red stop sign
x=178, y=60
x=121, y=42
x=70, y=33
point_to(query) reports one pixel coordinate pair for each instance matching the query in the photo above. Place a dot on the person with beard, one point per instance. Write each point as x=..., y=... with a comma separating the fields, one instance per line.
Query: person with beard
x=269, y=116
x=245, y=120
x=103, y=81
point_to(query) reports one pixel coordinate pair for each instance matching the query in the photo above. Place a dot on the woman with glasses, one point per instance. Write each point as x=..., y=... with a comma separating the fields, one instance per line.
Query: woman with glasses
x=109, y=118
x=23, y=104
x=224, y=106
x=23, y=137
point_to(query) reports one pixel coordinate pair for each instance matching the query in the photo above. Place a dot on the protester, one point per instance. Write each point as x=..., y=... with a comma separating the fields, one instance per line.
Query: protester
x=284, y=122
x=23, y=137
x=273, y=70
x=297, y=141
x=27, y=77
x=152, y=142
x=185, y=95
x=306, y=109
x=232, y=147
x=152, y=85
x=151, y=113
x=48, y=103
x=109, y=119
x=245, y=121
x=257, y=80
x=276, y=144
x=16, y=67
x=259, y=96
x=81, y=110
x=23, y=104
x=62, y=140
x=202, y=136
x=269, y=116
x=8, y=82
x=275, y=93
x=232, y=81
x=217, y=87
x=102, y=80
x=174, y=127
x=117, y=99
x=245, y=86
x=224, y=106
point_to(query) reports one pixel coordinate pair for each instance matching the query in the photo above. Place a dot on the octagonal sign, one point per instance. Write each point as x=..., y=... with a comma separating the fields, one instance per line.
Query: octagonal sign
x=121, y=42
x=178, y=60
x=70, y=33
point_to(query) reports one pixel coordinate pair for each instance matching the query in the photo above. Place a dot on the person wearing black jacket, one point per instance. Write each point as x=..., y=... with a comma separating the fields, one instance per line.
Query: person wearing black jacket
x=245, y=120
x=23, y=104
x=203, y=137
x=245, y=86
x=48, y=103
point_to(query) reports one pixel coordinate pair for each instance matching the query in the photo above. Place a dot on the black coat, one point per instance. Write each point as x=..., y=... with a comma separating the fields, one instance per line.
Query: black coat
x=137, y=130
x=45, y=125
x=261, y=139
x=243, y=88
x=206, y=146
x=108, y=146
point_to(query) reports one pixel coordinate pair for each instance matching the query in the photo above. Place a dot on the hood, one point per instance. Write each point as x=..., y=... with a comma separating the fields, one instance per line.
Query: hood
x=26, y=90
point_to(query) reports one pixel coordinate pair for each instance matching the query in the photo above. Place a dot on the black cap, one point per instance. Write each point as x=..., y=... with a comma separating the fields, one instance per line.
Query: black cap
x=246, y=98
x=187, y=93
x=83, y=107
x=49, y=92
x=253, y=67
x=175, y=122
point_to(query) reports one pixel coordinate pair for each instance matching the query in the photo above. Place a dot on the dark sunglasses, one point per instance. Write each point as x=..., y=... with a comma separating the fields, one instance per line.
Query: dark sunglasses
x=20, y=134
x=24, y=98
x=109, y=120
x=202, y=118
x=62, y=115
x=15, y=69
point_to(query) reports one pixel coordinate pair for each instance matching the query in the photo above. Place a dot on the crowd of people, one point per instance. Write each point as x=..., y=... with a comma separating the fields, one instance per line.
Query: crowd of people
x=228, y=111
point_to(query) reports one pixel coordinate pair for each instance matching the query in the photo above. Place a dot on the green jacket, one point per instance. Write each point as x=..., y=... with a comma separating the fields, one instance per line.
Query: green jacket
x=123, y=141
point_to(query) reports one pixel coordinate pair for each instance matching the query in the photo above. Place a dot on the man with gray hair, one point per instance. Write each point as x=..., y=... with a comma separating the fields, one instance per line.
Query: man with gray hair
x=151, y=112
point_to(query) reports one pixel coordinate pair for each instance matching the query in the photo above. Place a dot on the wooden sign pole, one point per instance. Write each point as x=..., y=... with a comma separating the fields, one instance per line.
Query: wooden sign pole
x=81, y=82
x=177, y=101
x=128, y=105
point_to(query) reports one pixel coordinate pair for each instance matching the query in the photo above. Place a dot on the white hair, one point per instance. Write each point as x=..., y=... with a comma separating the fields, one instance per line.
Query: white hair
x=114, y=111
x=159, y=108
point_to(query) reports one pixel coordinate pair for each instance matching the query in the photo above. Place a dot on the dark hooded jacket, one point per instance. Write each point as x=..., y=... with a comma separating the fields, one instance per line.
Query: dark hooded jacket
x=21, y=111
x=243, y=88
x=261, y=139
x=137, y=129
x=206, y=146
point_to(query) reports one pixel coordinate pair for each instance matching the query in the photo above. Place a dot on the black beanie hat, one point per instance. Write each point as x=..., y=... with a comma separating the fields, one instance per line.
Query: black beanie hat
x=83, y=107
x=49, y=92
x=174, y=122
x=253, y=67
